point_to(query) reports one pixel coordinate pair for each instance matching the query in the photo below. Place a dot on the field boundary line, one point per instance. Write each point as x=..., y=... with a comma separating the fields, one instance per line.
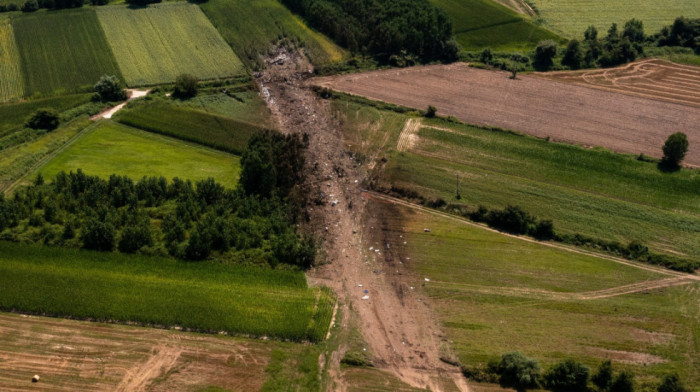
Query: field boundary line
x=639, y=265
x=44, y=160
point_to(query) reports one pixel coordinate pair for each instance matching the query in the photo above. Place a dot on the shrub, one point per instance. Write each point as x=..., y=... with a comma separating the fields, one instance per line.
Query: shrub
x=98, y=235
x=544, y=230
x=135, y=237
x=45, y=118
x=624, y=382
x=109, y=88
x=30, y=6
x=573, y=56
x=544, y=53
x=512, y=219
x=567, y=376
x=675, y=148
x=671, y=383
x=518, y=372
x=430, y=113
x=186, y=86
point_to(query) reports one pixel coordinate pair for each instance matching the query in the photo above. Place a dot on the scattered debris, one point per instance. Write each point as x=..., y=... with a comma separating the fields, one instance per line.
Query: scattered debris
x=35, y=378
x=426, y=230
x=427, y=280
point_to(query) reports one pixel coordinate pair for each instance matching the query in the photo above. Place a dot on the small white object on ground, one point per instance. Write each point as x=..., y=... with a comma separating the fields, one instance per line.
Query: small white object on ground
x=427, y=280
x=35, y=378
x=426, y=230
x=365, y=297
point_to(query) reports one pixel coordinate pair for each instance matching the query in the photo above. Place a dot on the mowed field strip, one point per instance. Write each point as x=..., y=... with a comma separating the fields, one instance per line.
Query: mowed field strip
x=11, y=83
x=531, y=105
x=155, y=44
x=73, y=355
x=652, y=78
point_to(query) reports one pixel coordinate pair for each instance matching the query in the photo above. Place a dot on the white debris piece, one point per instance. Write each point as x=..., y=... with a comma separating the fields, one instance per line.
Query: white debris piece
x=427, y=280
x=426, y=230
x=359, y=285
x=365, y=297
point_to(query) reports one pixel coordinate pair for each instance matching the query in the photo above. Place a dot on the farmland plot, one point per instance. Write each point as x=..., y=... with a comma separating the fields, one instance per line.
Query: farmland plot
x=62, y=51
x=155, y=44
x=532, y=105
x=559, y=14
x=11, y=82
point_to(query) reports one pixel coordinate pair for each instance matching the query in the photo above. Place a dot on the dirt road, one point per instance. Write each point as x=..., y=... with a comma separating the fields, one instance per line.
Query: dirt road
x=400, y=330
x=534, y=105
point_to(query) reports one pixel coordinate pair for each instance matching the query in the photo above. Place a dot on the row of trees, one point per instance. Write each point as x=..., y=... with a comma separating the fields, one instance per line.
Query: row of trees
x=514, y=370
x=396, y=30
x=253, y=223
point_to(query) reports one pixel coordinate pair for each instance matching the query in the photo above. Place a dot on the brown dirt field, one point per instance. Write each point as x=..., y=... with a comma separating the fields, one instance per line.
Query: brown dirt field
x=652, y=78
x=72, y=355
x=533, y=105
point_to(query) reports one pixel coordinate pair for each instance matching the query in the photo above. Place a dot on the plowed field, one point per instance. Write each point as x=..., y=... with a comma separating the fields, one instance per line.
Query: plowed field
x=532, y=105
x=653, y=78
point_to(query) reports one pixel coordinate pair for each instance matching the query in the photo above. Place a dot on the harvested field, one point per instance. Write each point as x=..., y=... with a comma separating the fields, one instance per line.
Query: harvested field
x=11, y=82
x=653, y=78
x=73, y=355
x=533, y=105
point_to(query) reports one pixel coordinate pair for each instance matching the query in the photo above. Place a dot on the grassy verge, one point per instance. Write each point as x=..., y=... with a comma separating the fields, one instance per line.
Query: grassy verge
x=192, y=125
x=14, y=115
x=112, y=148
x=203, y=296
x=496, y=294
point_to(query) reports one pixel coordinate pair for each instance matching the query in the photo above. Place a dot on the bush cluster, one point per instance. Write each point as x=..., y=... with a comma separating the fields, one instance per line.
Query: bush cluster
x=515, y=370
x=400, y=31
x=185, y=220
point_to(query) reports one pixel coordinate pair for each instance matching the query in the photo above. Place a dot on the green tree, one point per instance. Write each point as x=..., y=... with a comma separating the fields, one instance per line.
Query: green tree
x=603, y=379
x=544, y=54
x=98, y=235
x=573, y=56
x=672, y=383
x=109, y=88
x=518, y=372
x=186, y=86
x=567, y=376
x=675, y=148
x=135, y=237
x=430, y=113
x=30, y=6
x=45, y=118
x=634, y=31
x=624, y=382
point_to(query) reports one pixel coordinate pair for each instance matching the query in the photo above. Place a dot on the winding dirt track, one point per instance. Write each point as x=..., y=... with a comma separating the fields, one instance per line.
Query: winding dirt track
x=534, y=105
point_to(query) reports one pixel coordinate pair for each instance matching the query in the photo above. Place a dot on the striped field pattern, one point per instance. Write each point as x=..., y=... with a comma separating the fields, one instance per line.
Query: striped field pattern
x=11, y=84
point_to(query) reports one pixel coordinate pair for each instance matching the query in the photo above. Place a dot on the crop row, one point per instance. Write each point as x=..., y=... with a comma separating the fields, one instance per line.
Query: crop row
x=11, y=84
x=205, y=297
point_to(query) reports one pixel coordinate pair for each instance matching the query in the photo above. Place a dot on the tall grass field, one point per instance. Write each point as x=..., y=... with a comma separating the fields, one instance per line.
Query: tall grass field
x=573, y=17
x=155, y=44
x=484, y=23
x=14, y=115
x=11, y=82
x=192, y=125
x=63, y=51
x=252, y=26
x=112, y=148
x=204, y=296
x=495, y=294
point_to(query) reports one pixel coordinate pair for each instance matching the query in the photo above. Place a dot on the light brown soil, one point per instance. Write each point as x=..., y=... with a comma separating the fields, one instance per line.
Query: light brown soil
x=530, y=104
x=652, y=78
x=73, y=355
x=402, y=333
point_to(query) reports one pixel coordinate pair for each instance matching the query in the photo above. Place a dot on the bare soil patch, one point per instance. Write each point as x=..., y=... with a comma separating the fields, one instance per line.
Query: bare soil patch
x=652, y=78
x=534, y=105
x=73, y=355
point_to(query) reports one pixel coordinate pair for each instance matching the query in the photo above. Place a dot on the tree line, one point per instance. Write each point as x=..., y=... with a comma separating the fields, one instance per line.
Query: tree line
x=254, y=223
x=404, y=31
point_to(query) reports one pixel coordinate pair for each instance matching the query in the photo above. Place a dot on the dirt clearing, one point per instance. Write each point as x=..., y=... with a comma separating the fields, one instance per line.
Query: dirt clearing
x=73, y=355
x=533, y=105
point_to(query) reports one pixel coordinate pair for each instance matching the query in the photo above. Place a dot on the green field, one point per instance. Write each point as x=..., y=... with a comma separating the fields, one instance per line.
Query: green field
x=155, y=44
x=655, y=14
x=11, y=82
x=112, y=148
x=192, y=125
x=496, y=294
x=246, y=106
x=62, y=51
x=592, y=192
x=204, y=296
x=484, y=23
x=14, y=115
x=251, y=26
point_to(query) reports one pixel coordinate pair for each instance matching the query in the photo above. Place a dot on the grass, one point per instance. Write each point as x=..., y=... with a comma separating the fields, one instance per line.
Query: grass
x=588, y=191
x=11, y=83
x=483, y=23
x=252, y=26
x=246, y=106
x=111, y=148
x=155, y=44
x=486, y=290
x=62, y=51
x=203, y=296
x=192, y=125
x=14, y=115
x=654, y=14
x=17, y=161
